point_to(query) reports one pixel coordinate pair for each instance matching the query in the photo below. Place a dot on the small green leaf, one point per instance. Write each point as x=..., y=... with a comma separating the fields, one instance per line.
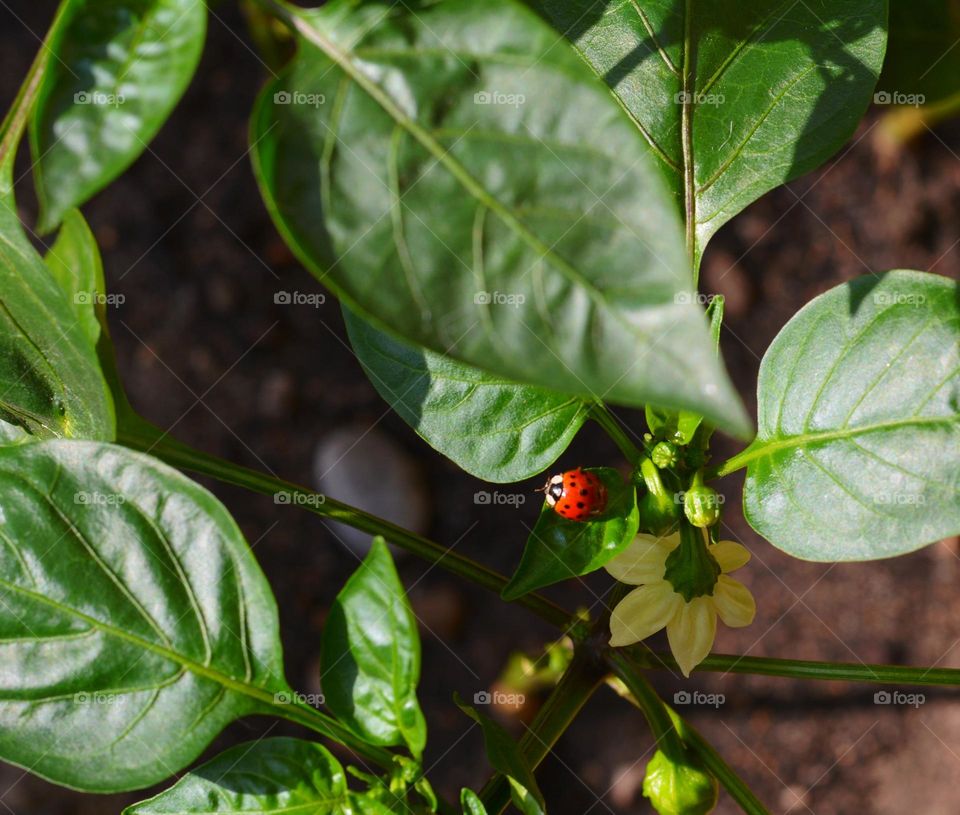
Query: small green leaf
x=74, y=261
x=267, y=777
x=135, y=622
x=559, y=549
x=732, y=98
x=858, y=453
x=505, y=757
x=371, y=656
x=494, y=429
x=459, y=177
x=471, y=804
x=120, y=67
x=50, y=381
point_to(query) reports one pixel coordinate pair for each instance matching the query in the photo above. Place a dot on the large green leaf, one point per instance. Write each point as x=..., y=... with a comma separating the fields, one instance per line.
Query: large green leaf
x=266, y=777
x=50, y=380
x=461, y=178
x=505, y=757
x=74, y=261
x=558, y=549
x=922, y=56
x=134, y=621
x=733, y=98
x=120, y=66
x=494, y=429
x=371, y=656
x=858, y=452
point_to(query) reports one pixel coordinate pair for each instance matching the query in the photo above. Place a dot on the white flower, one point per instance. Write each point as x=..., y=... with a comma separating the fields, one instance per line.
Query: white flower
x=691, y=625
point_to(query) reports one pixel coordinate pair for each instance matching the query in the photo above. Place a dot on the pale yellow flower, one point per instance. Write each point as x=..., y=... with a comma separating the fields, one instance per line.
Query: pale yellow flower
x=691, y=626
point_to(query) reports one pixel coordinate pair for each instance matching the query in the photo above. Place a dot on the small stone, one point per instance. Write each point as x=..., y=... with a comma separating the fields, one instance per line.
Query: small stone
x=364, y=467
x=625, y=783
x=276, y=396
x=794, y=798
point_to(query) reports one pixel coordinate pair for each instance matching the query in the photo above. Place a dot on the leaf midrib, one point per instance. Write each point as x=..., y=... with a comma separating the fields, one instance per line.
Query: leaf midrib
x=768, y=448
x=170, y=655
x=343, y=61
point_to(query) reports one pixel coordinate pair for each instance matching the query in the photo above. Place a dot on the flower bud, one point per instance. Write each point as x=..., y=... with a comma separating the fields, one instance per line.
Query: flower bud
x=658, y=511
x=664, y=455
x=701, y=505
x=679, y=787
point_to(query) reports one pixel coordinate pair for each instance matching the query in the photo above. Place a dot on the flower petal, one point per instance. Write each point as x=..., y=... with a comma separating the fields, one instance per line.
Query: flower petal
x=643, y=612
x=733, y=602
x=643, y=561
x=730, y=555
x=691, y=633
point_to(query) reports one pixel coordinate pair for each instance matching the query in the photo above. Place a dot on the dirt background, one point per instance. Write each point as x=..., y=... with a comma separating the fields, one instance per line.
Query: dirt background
x=204, y=349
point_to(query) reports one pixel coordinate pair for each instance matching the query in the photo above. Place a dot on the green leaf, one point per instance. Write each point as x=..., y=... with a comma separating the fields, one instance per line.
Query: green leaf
x=135, y=622
x=370, y=659
x=266, y=777
x=505, y=757
x=494, y=429
x=922, y=57
x=559, y=549
x=74, y=261
x=50, y=381
x=732, y=98
x=120, y=67
x=471, y=804
x=858, y=453
x=530, y=237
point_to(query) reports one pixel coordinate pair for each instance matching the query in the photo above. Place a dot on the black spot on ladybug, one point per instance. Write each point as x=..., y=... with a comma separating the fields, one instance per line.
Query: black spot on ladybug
x=566, y=506
x=584, y=492
x=580, y=505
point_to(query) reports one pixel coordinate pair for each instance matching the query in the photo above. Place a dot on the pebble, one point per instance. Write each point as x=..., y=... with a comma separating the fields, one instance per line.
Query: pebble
x=365, y=468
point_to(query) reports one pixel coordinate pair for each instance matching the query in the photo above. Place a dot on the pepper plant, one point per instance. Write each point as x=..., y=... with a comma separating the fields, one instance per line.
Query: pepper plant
x=511, y=202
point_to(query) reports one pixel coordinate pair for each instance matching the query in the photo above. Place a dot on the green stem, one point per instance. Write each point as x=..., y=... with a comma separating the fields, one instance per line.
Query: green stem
x=732, y=464
x=714, y=762
x=575, y=687
x=11, y=131
x=655, y=712
x=318, y=722
x=602, y=416
x=803, y=669
x=140, y=435
x=674, y=734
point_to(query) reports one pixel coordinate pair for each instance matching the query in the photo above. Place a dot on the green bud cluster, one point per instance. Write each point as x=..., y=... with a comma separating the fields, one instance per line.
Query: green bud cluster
x=679, y=787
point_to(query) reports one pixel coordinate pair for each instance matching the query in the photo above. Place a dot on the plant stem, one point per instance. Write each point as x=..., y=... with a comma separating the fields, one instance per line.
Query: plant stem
x=664, y=733
x=142, y=436
x=11, y=130
x=602, y=416
x=319, y=722
x=674, y=736
x=714, y=762
x=575, y=687
x=803, y=669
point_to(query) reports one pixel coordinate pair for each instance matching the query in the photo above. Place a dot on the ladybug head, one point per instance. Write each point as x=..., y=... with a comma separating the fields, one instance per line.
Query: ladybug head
x=554, y=490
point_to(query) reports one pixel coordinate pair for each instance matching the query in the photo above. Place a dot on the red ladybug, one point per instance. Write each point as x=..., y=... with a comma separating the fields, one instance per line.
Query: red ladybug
x=576, y=495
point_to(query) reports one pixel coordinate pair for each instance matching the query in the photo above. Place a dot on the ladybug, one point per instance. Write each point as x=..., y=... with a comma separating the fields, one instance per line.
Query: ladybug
x=576, y=495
